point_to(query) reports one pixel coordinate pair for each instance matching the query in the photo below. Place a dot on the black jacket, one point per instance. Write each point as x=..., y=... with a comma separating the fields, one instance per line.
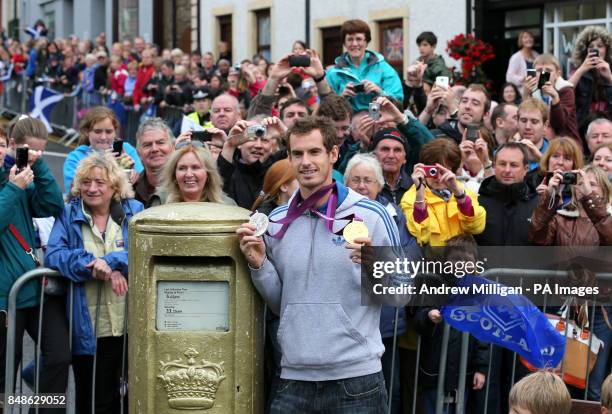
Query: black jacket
x=509, y=209
x=431, y=341
x=243, y=182
x=584, y=96
x=450, y=128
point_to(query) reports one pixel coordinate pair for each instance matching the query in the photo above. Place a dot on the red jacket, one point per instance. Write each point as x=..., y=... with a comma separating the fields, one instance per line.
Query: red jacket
x=117, y=82
x=144, y=74
x=563, y=115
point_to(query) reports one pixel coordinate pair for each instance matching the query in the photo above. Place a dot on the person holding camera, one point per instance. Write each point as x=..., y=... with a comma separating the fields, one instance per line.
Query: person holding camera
x=360, y=74
x=563, y=154
x=521, y=60
x=592, y=79
x=309, y=63
x=532, y=124
x=29, y=190
x=556, y=92
x=243, y=170
x=438, y=207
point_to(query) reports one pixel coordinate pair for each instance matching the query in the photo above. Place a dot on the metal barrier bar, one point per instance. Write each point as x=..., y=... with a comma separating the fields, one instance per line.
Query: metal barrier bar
x=9, y=373
x=463, y=361
x=440, y=392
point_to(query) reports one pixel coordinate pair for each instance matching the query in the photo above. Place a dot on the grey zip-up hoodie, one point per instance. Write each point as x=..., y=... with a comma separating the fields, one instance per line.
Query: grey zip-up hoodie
x=309, y=279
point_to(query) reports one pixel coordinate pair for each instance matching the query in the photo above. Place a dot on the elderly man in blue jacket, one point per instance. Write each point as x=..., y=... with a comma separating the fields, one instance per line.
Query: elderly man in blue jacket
x=360, y=74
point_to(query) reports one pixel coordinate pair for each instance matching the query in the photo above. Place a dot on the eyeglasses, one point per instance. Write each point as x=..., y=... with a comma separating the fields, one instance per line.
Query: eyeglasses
x=358, y=180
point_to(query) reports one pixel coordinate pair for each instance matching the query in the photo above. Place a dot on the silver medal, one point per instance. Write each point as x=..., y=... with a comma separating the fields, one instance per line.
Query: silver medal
x=260, y=221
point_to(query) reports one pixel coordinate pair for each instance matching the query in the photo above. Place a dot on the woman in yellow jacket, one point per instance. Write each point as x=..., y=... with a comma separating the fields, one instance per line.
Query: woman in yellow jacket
x=438, y=207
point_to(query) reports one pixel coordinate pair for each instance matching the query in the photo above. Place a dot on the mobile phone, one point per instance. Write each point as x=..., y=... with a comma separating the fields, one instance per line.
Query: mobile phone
x=594, y=52
x=299, y=61
x=442, y=81
x=359, y=87
x=531, y=72
x=431, y=171
x=202, y=136
x=374, y=111
x=472, y=132
x=21, y=160
x=544, y=77
x=118, y=146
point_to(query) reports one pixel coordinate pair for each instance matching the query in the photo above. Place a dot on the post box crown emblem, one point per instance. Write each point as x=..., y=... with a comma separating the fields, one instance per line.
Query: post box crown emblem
x=190, y=386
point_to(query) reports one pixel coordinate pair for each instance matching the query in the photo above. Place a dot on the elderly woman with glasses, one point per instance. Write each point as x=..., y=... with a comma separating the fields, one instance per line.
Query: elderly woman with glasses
x=191, y=175
x=89, y=246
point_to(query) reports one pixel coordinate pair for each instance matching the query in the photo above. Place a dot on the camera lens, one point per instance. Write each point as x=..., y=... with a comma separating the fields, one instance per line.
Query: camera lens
x=433, y=172
x=260, y=132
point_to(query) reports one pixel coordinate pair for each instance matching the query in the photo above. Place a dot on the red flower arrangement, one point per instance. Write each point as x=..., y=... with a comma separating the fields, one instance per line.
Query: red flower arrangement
x=473, y=53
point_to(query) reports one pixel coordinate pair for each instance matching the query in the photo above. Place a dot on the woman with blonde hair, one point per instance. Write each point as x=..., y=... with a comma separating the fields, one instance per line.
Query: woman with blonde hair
x=89, y=246
x=521, y=60
x=190, y=175
x=279, y=184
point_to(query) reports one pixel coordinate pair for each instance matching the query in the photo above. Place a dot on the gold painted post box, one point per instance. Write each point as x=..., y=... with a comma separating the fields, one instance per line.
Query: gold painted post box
x=195, y=319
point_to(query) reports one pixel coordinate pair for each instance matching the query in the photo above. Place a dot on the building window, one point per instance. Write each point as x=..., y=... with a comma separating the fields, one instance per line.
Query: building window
x=127, y=19
x=263, y=33
x=563, y=23
x=332, y=44
x=225, y=36
x=392, y=43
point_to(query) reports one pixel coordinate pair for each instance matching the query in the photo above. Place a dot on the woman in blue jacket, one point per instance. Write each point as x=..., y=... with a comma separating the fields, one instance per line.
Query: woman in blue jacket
x=99, y=130
x=88, y=245
x=360, y=75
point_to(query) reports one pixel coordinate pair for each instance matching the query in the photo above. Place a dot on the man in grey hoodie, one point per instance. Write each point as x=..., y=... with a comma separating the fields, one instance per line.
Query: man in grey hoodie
x=309, y=275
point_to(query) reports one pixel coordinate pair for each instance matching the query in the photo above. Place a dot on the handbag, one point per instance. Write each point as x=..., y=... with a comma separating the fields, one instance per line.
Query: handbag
x=578, y=355
x=51, y=286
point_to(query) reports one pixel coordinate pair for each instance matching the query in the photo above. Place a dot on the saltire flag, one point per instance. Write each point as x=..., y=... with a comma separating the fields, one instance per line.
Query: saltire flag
x=42, y=102
x=510, y=321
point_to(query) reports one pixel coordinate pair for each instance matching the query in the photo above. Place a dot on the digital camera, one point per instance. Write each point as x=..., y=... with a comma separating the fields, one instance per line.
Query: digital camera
x=431, y=171
x=256, y=131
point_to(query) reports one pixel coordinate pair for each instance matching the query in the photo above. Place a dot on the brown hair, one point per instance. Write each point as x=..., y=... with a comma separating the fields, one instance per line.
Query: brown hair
x=335, y=107
x=542, y=392
x=95, y=115
x=566, y=145
x=547, y=59
x=442, y=151
x=513, y=145
x=27, y=126
x=279, y=173
x=305, y=125
x=355, y=26
x=478, y=87
x=531, y=104
x=519, y=41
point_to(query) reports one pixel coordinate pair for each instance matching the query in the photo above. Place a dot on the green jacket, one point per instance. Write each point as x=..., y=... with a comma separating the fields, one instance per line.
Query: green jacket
x=436, y=67
x=43, y=198
x=416, y=135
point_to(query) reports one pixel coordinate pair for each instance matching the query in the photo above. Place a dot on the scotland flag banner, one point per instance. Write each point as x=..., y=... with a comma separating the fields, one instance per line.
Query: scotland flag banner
x=42, y=102
x=510, y=321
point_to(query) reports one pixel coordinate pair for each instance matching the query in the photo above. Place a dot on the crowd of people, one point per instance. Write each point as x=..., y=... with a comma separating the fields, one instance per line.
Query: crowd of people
x=419, y=161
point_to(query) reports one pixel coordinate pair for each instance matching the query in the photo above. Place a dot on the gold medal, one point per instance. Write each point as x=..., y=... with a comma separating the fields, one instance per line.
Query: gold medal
x=354, y=230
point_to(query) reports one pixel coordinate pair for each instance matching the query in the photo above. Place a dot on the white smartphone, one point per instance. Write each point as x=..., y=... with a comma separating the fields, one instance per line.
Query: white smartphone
x=442, y=81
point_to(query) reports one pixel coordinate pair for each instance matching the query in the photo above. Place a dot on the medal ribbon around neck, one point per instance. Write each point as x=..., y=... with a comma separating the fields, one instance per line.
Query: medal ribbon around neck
x=298, y=206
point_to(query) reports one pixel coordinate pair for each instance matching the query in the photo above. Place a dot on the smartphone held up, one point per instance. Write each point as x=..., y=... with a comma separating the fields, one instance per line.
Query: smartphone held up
x=21, y=158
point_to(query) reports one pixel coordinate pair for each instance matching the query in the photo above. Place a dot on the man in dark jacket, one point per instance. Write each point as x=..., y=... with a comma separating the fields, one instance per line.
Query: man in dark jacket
x=507, y=198
x=509, y=201
x=243, y=171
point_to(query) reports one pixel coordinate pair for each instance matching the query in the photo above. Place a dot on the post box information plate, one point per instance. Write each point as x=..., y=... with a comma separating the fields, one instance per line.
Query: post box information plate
x=192, y=306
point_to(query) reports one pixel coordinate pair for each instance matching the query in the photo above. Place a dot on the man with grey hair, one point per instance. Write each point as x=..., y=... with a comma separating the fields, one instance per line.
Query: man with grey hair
x=154, y=143
x=225, y=112
x=598, y=132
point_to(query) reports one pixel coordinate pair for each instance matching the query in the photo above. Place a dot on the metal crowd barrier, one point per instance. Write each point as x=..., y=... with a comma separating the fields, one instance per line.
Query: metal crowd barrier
x=460, y=405
x=9, y=379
